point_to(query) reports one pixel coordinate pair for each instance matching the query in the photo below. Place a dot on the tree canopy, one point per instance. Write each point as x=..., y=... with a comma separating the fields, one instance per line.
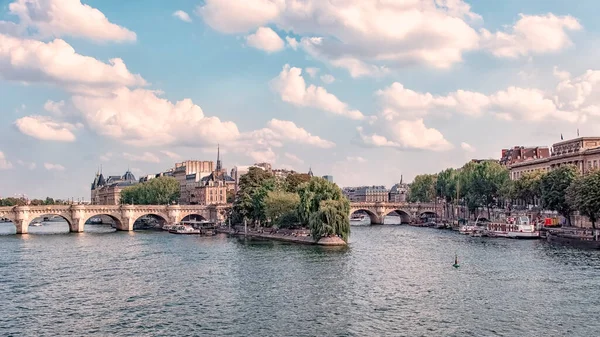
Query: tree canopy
x=157, y=191
x=423, y=188
x=554, y=186
x=583, y=195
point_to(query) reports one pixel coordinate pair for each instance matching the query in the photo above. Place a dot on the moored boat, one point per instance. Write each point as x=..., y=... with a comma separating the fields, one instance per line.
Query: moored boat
x=183, y=229
x=514, y=228
x=576, y=237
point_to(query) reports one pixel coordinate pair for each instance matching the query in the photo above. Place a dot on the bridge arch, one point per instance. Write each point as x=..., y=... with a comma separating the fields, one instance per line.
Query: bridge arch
x=150, y=220
x=189, y=215
x=46, y=220
x=428, y=214
x=115, y=218
x=374, y=219
x=405, y=216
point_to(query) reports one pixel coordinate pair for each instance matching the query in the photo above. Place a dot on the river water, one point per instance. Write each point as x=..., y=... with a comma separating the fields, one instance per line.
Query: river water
x=391, y=281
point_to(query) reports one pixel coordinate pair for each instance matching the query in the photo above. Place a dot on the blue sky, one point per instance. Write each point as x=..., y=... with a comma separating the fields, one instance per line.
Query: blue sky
x=364, y=90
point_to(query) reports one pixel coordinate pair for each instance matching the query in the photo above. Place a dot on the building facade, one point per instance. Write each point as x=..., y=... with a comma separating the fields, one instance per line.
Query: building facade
x=108, y=191
x=519, y=154
x=371, y=194
x=582, y=152
x=398, y=192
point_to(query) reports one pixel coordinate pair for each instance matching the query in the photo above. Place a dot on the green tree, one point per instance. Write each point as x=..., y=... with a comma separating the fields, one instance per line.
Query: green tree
x=243, y=206
x=528, y=187
x=13, y=202
x=281, y=206
x=258, y=212
x=446, y=186
x=482, y=184
x=294, y=180
x=331, y=219
x=423, y=188
x=584, y=196
x=553, y=187
x=49, y=201
x=312, y=193
x=230, y=196
x=157, y=191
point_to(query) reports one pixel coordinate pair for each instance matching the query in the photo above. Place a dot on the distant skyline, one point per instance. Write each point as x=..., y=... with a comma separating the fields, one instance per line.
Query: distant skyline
x=363, y=90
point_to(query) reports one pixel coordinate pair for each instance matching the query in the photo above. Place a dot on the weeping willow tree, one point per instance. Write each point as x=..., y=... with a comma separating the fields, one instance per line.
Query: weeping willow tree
x=331, y=219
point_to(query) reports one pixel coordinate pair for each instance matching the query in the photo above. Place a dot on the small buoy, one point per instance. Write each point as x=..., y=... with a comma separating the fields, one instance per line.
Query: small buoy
x=455, y=265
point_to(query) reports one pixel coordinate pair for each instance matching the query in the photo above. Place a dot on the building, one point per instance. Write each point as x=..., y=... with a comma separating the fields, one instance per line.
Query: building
x=328, y=178
x=371, y=194
x=582, y=152
x=398, y=192
x=350, y=193
x=211, y=189
x=521, y=153
x=282, y=173
x=108, y=191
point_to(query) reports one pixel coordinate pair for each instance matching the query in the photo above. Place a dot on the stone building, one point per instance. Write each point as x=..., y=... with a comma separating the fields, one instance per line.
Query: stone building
x=398, y=192
x=582, y=152
x=521, y=153
x=371, y=194
x=210, y=189
x=107, y=191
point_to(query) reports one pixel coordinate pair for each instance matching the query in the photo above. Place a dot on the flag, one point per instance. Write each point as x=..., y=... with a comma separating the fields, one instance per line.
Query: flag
x=577, y=132
x=561, y=137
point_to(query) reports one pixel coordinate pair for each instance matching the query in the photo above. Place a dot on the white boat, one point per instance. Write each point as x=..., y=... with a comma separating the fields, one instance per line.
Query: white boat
x=358, y=218
x=183, y=229
x=36, y=224
x=515, y=228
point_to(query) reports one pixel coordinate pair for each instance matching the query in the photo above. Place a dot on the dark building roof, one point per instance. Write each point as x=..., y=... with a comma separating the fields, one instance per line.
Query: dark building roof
x=128, y=176
x=215, y=177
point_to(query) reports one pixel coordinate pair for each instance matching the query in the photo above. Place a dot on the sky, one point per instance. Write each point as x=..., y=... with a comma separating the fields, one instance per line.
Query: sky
x=364, y=90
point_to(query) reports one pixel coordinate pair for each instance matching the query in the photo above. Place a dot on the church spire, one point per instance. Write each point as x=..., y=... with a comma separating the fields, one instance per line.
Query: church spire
x=219, y=168
x=400, y=179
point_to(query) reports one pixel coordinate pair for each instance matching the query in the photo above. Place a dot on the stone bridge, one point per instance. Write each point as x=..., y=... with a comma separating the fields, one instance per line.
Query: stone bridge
x=124, y=216
x=408, y=212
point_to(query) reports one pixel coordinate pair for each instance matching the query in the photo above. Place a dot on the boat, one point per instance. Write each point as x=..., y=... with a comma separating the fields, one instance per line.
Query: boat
x=36, y=223
x=577, y=237
x=357, y=218
x=515, y=228
x=478, y=231
x=184, y=229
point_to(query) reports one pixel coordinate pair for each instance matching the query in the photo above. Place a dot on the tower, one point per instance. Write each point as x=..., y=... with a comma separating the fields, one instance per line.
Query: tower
x=310, y=172
x=219, y=168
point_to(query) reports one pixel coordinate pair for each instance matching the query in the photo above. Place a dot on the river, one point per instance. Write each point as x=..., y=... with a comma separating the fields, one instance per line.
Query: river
x=391, y=281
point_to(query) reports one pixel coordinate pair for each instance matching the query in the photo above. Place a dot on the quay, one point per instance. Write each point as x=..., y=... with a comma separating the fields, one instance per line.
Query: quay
x=286, y=236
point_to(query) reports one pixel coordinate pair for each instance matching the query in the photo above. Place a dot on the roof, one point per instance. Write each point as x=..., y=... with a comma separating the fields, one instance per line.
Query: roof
x=128, y=176
x=213, y=177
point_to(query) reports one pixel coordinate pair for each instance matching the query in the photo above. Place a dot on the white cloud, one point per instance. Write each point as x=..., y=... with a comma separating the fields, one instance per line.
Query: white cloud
x=467, y=147
x=56, y=62
x=291, y=87
x=531, y=34
x=4, y=163
x=293, y=158
x=45, y=128
x=30, y=166
x=170, y=154
x=54, y=18
x=357, y=159
x=234, y=16
x=278, y=131
x=265, y=39
x=54, y=167
x=263, y=156
x=561, y=74
x=139, y=117
x=327, y=78
x=54, y=107
x=406, y=135
x=312, y=71
x=183, y=16
x=107, y=156
x=359, y=33
x=292, y=42
x=145, y=157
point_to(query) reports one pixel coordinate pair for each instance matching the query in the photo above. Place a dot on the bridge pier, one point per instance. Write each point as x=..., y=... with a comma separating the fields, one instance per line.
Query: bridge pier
x=22, y=226
x=76, y=226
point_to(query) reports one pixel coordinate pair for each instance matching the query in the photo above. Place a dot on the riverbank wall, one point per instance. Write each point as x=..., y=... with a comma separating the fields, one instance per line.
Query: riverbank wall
x=300, y=239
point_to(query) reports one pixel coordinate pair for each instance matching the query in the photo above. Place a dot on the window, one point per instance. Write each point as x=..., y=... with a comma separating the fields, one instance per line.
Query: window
x=595, y=164
x=589, y=164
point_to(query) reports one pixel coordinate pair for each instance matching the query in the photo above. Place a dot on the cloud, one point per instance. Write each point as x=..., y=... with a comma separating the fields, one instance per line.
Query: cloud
x=291, y=87
x=292, y=42
x=406, y=135
x=54, y=107
x=263, y=156
x=312, y=71
x=277, y=131
x=57, y=63
x=467, y=147
x=4, y=163
x=531, y=34
x=55, y=18
x=170, y=154
x=356, y=159
x=265, y=39
x=53, y=167
x=30, y=166
x=45, y=128
x=107, y=156
x=145, y=157
x=327, y=79
x=359, y=35
x=293, y=158
x=560, y=74
x=183, y=16
x=141, y=118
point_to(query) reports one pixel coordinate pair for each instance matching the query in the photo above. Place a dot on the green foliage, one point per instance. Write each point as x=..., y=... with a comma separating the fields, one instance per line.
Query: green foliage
x=423, y=188
x=553, y=186
x=13, y=202
x=294, y=180
x=330, y=219
x=280, y=204
x=157, y=191
x=528, y=186
x=584, y=196
x=258, y=211
x=250, y=183
x=313, y=192
x=481, y=184
x=446, y=184
x=230, y=196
